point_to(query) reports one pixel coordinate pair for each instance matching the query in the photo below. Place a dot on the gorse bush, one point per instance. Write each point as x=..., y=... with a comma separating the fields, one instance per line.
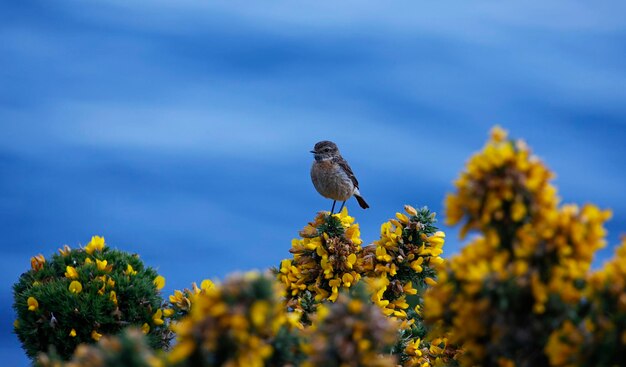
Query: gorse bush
x=524, y=275
x=519, y=293
x=351, y=332
x=399, y=267
x=237, y=323
x=79, y=295
x=324, y=259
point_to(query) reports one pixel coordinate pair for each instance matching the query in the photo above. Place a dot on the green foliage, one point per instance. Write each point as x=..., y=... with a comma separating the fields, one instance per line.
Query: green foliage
x=287, y=345
x=331, y=226
x=79, y=295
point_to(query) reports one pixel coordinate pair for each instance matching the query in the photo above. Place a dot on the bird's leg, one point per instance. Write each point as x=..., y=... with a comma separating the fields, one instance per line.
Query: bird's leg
x=342, y=204
x=333, y=209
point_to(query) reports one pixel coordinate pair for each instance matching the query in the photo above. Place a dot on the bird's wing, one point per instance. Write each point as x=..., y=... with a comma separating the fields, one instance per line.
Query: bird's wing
x=346, y=168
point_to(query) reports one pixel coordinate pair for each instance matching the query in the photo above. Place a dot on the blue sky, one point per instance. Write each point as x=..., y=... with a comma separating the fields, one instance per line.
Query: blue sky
x=181, y=130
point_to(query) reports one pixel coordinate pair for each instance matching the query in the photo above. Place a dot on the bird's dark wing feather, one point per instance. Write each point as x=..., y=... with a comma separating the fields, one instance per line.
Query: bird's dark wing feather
x=344, y=165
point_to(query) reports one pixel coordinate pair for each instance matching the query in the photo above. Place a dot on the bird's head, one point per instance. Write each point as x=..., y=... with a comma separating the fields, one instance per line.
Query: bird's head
x=324, y=150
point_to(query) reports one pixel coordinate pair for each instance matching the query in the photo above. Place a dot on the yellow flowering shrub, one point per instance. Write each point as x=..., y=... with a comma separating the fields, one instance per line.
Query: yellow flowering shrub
x=237, y=323
x=325, y=259
x=80, y=295
x=399, y=267
x=351, y=332
x=511, y=286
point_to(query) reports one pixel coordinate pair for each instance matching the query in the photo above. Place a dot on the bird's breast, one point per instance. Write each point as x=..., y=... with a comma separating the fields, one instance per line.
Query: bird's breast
x=331, y=181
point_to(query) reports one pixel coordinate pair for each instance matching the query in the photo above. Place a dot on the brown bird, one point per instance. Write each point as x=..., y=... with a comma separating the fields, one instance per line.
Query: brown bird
x=333, y=177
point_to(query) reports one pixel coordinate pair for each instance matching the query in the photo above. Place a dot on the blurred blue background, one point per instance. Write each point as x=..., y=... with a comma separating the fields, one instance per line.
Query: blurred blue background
x=181, y=130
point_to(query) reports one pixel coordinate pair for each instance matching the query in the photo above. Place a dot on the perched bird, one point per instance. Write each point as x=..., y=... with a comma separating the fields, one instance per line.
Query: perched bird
x=333, y=177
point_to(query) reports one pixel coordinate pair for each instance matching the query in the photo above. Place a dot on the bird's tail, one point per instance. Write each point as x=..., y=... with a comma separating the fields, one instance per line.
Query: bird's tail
x=361, y=201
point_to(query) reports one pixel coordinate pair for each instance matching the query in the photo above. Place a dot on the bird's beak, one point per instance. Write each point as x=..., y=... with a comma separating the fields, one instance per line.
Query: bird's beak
x=313, y=152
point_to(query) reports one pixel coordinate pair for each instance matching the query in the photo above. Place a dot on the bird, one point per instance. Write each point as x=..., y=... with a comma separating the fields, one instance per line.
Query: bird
x=332, y=176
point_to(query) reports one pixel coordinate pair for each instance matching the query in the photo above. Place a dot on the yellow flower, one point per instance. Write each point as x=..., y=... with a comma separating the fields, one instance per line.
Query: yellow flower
x=72, y=333
x=70, y=272
x=159, y=282
x=293, y=319
x=95, y=335
x=168, y=312
x=75, y=287
x=65, y=250
x=157, y=318
x=16, y=324
x=410, y=210
x=381, y=254
x=408, y=288
x=145, y=328
x=206, y=285
x=102, y=265
x=33, y=305
x=102, y=289
x=96, y=244
x=351, y=260
x=413, y=348
x=416, y=265
x=179, y=299
x=37, y=262
x=130, y=270
x=347, y=279
x=437, y=239
x=402, y=218
x=259, y=312
x=498, y=134
x=113, y=297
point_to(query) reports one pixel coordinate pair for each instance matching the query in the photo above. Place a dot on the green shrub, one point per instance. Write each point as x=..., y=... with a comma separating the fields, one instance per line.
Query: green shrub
x=81, y=294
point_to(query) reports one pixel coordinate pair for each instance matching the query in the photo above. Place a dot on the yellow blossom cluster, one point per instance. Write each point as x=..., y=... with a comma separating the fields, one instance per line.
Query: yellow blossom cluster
x=399, y=267
x=429, y=353
x=571, y=237
x=350, y=332
x=501, y=294
x=324, y=258
x=597, y=335
x=181, y=301
x=503, y=184
x=402, y=260
x=232, y=324
x=37, y=262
